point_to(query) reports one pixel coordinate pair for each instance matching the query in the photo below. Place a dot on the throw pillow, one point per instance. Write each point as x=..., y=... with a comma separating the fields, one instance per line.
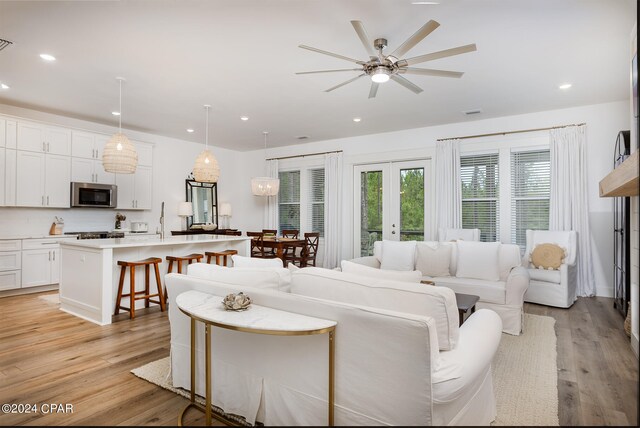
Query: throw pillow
x=478, y=260
x=433, y=261
x=547, y=256
x=258, y=277
x=241, y=261
x=398, y=255
x=358, y=269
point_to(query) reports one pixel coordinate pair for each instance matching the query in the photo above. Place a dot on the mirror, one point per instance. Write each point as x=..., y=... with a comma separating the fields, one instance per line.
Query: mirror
x=204, y=199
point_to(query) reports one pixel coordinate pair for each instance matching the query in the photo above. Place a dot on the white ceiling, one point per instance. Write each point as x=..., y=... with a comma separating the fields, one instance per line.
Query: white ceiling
x=240, y=56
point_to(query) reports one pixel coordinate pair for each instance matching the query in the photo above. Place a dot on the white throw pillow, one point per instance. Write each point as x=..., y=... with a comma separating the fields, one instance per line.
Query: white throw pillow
x=241, y=261
x=258, y=277
x=433, y=261
x=398, y=255
x=358, y=269
x=478, y=260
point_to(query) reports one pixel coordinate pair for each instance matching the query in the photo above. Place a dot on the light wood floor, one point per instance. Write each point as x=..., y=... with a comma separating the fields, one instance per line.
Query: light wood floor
x=47, y=356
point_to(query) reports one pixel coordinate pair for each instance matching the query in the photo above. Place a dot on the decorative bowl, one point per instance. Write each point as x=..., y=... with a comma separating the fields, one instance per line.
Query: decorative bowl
x=236, y=302
x=209, y=226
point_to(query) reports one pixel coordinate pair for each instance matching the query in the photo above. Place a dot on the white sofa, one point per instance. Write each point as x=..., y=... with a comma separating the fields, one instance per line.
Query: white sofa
x=503, y=294
x=389, y=367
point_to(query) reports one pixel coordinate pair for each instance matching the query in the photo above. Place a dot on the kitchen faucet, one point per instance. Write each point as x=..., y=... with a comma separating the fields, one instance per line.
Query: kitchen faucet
x=162, y=221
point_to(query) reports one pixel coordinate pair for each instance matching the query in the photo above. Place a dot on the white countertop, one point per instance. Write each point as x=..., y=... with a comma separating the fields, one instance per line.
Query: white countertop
x=209, y=307
x=149, y=241
x=37, y=236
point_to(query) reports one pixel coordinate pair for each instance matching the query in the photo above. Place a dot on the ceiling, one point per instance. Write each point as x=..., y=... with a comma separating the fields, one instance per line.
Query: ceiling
x=240, y=56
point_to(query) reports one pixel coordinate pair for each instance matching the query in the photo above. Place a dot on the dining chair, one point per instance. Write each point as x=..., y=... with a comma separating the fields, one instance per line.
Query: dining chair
x=309, y=251
x=270, y=252
x=289, y=251
x=257, y=244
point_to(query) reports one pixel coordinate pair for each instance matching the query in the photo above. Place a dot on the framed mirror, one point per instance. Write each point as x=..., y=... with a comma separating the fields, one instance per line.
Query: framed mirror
x=204, y=199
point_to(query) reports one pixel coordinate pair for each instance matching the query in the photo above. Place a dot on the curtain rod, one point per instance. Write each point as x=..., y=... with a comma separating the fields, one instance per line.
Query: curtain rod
x=510, y=132
x=308, y=154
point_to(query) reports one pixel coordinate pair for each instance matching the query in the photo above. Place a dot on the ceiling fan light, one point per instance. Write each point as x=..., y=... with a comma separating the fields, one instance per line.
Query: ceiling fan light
x=381, y=75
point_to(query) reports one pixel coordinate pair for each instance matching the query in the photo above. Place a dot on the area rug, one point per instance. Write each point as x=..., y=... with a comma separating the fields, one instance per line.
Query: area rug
x=525, y=376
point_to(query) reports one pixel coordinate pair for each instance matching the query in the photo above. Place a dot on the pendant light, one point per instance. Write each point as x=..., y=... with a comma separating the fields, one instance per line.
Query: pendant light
x=119, y=154
x=265, y=186
x=206, y=169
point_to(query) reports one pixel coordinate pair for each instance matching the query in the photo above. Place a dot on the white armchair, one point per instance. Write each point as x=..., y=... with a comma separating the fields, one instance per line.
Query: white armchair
x=552, y=287
x=445, y=235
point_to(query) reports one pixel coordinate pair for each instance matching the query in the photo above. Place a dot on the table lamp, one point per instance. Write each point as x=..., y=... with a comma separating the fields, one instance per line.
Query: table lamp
x=185, y=209
x=225, y=211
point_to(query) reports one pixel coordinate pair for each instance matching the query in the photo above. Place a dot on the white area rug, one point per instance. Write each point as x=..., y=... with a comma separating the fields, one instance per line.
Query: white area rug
x=525, y=376
x=51, y=298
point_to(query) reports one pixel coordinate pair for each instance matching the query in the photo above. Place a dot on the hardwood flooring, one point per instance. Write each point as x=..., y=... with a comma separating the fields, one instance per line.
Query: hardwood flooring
x=48, y=356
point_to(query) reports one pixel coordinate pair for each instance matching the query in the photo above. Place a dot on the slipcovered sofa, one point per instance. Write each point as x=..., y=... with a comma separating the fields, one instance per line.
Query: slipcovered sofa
x=391, y=365
x=490, y=270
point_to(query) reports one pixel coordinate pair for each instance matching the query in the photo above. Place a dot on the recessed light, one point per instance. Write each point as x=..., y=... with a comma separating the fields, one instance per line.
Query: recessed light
x=189, y=130
x=115, y=113
x=3, y=86
x=357, y=119
x=47, y=57
x=565, y=86
x=245, y=118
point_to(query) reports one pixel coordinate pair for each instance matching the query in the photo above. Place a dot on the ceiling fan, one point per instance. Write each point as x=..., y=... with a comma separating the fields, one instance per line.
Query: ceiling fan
x=381, y=67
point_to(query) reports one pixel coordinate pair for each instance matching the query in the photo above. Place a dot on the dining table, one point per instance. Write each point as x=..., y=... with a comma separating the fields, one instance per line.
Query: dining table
x=280, y=243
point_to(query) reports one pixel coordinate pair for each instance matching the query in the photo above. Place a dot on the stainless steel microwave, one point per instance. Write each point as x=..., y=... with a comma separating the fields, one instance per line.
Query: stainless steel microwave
x=93, y=195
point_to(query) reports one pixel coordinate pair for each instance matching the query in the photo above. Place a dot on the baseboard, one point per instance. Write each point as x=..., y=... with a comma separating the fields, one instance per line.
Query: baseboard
x=29, y=290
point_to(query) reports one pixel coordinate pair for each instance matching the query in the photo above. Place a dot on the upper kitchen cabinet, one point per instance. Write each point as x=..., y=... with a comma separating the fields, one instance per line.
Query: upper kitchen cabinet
x=86, y=163
x=35, y=137
x=42, y=180
x=135, y=190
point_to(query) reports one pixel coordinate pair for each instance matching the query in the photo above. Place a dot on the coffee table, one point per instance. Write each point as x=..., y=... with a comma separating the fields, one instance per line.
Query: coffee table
x=466, y=303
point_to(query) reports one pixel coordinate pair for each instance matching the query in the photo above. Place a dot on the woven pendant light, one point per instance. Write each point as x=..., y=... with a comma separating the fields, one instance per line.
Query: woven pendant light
x=265, y=186
x=119, y=154
x=206, y=169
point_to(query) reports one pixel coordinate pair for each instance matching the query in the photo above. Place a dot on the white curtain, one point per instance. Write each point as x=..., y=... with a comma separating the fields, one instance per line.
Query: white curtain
x=332, y=210
x=448, y=185
x=568, y=205
x=271, y=220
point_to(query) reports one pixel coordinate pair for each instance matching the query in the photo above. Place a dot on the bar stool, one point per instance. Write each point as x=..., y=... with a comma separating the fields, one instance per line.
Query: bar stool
x=220, y=254
x=179, y=259
x=133, y=294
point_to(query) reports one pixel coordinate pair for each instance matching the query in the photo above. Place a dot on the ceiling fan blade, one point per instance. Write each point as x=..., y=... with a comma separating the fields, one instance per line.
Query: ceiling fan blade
x=328, y=71
x=404, y=82
x=431, y=72
x=437, y=55
x=374, y=89
x=423, y=32
x=364, y=38
x=330, y=54
x=344, y=83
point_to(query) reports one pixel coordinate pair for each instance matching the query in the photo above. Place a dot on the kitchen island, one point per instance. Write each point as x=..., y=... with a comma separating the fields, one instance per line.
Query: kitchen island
x=89, y=270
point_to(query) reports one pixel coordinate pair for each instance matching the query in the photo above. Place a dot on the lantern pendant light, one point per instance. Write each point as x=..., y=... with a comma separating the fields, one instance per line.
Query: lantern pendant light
x=120, y=155
x=206, y=169
x=265, y=186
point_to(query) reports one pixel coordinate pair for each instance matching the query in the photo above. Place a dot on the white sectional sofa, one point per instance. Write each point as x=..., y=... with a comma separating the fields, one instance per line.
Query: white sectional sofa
x=490, y=270
x=401, y=358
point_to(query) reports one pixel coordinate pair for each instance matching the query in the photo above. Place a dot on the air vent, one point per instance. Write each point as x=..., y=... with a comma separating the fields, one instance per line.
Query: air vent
x=4, y=43
x=470, y=112
x=302, y=137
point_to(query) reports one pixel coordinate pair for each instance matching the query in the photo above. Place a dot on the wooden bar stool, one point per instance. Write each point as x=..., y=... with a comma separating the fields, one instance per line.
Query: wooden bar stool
x=139, y=295
x=220, y=254
x=179, y=259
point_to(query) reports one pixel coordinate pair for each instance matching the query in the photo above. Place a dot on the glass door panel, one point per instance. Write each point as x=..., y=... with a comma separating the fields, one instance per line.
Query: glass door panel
x=370, y=206
x=411, y=209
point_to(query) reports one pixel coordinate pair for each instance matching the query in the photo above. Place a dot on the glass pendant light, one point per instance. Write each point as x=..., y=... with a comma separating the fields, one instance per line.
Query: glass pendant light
x=120, y=155
x=206, y=169
x=265, y=186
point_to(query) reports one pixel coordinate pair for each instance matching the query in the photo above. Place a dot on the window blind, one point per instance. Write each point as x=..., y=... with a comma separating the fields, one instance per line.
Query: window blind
x=316, y=201
x=289, y=200
x=530, y=189
x=480, y=186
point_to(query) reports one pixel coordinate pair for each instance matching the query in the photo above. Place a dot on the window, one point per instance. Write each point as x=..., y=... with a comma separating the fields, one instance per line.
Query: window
x=530, y=188
x=289, y=200
x=480, y=187
x=301, y=200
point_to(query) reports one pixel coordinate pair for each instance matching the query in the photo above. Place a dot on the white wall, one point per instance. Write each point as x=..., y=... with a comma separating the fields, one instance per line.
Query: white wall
x=604, y=121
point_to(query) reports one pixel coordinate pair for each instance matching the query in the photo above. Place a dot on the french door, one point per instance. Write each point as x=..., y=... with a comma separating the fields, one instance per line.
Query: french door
x=390, y=202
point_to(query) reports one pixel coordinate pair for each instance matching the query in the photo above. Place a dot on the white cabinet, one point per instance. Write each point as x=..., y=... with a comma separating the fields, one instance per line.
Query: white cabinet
x=34, y=137
x=3, y=133
x=135, y=190
x=40, y=262
x=90, y=171
x=10, y=264
x=3, y=179
x=10, y=178
x=42, y=180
